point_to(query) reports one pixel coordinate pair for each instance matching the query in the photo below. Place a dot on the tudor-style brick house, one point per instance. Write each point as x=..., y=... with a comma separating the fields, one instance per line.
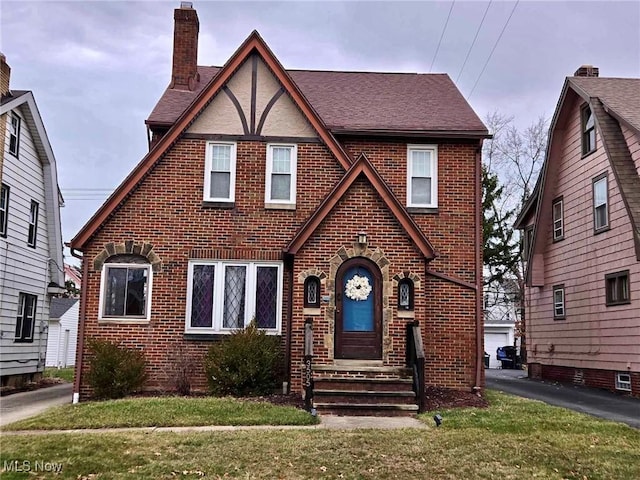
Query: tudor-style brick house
x=265, y=191
x=582, y=239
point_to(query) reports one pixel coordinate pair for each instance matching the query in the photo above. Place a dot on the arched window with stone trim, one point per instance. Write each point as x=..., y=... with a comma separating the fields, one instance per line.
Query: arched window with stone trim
x=125, y=292
x=312, y=292
x=405, y=294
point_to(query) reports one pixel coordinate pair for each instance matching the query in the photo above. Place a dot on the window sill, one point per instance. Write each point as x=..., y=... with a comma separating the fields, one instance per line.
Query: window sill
x=213, y=336
x=311, y=311
x=406, y=314
x=279, y=206
x=560, y=318
x=584, y=155
x=559, y=239
x=616, y=304
x=19, y=340
x=601, y=230
x=430, y=210
x=124, y=321
x=212, y=204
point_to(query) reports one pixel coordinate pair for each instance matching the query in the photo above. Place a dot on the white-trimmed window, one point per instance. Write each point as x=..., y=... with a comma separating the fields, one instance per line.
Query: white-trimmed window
x=25, y=320
x=32, y=236
x=14, y=134
x=4, y=210
x=600, y=203
x=220, y=172
x=422, y=176
x=558, y=219
x=223, y=296
x=623, y=381
x=280, y=185
x=558, y=302
x=125, y=293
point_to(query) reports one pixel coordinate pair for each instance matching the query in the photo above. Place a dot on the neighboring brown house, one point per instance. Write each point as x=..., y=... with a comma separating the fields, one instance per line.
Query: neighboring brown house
x=270, y=194
x=582, y=231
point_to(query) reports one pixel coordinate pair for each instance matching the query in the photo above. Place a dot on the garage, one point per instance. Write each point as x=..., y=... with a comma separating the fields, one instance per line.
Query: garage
x=493, y=340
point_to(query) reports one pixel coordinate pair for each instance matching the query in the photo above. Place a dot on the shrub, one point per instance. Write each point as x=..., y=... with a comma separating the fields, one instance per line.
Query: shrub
x=247, y=362
x=115, y=371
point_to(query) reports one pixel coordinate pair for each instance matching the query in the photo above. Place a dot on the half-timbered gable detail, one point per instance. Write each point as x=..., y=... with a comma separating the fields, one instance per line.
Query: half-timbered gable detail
x=295, y=200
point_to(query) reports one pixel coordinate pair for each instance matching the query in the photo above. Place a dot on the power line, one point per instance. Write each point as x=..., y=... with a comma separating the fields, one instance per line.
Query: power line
x=474, y=41
x=442, y=35
x=493, y=49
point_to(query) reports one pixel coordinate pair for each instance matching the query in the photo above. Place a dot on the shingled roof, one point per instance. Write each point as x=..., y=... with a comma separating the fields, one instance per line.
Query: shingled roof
x=360, y=102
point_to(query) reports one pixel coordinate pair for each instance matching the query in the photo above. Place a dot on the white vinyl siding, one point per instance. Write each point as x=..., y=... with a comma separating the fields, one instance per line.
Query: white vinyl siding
x=422, y=176
x=220, y=172
x=280, y=185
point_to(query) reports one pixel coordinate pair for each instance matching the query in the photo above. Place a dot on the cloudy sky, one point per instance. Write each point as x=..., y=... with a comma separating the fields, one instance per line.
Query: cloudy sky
x=97, y=67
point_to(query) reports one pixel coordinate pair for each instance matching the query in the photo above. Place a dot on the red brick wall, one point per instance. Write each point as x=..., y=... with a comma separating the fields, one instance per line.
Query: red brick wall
x=589, y=377
x=166, y=210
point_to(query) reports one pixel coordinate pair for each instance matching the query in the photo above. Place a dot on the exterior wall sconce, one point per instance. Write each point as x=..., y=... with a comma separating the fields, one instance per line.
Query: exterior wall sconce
x=362, y=238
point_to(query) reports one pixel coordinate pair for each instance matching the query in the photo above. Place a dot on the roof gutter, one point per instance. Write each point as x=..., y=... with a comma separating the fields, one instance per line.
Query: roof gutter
x=454, y=134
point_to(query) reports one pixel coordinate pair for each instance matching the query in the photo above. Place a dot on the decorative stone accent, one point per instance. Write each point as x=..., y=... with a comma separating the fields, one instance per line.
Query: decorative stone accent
x=128, y=247
x=411, y=276
x=376, y=256
x=302, y=276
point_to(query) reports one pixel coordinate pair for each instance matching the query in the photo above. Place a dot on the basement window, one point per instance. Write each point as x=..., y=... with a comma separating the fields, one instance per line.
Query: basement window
x=623, y=381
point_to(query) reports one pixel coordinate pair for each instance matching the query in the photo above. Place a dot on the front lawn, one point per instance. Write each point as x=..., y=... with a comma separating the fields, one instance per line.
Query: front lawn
x=164, y=412
x=512, y=439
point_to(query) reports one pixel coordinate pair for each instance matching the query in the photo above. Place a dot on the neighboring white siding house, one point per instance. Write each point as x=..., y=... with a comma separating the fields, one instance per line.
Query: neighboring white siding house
x=500, y=317
x=30, y=236
x=63, y=332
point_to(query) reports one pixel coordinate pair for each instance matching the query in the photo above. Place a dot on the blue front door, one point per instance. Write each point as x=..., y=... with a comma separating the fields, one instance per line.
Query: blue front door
x=358, y=310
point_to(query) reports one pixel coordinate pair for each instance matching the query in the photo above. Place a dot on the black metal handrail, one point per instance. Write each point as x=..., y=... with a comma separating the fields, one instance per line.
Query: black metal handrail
x=415, y=361
x=308, y=357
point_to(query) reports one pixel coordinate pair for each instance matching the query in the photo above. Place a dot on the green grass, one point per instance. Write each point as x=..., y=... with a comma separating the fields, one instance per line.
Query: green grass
x=65, y=374
x=512, y=439
x=164, y=412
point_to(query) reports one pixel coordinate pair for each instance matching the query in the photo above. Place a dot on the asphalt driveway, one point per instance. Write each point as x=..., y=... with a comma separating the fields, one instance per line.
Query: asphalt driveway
x=598, y=403
x=28, y=404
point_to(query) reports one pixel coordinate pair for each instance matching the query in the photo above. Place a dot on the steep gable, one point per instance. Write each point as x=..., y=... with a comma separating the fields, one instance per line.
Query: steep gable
x=252, y=45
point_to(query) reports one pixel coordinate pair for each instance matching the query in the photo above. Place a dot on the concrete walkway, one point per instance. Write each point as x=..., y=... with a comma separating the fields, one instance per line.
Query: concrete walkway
x=599, y=403
x=28, y=404
x=327, y=422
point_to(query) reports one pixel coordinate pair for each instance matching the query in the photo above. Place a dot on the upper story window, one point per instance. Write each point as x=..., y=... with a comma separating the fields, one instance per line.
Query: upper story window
x=422, y=176
x=126, y=289
x=527, y=242
x=25, y=320
x=588, y=130
x=32, y=236
x=600, y=203
x=281, y=174
x=312, y=292
x=558, y=219
x=405, y=294
x=220, y=172
x=14, y=134
x=223, y=296
x=617, y=288
x=558, y=302
x=4, y=210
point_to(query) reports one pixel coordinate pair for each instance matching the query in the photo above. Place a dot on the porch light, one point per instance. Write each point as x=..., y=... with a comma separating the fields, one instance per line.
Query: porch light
x=362, y=238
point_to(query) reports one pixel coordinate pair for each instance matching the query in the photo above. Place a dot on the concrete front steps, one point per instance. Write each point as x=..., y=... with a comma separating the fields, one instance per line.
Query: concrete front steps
x=363, y=389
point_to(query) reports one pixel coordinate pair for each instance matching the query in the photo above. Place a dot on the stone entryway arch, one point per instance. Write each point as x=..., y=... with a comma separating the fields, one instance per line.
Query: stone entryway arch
x=377, y=257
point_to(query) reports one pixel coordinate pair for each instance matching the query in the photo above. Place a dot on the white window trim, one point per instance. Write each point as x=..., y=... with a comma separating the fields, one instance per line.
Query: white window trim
x=218, y=295
x=434, y=175
x=122, y=318
x=293, y=172
x=624, y=385
x=558, y=233
x=14, y=133
x=561, y=303
x=232, y=173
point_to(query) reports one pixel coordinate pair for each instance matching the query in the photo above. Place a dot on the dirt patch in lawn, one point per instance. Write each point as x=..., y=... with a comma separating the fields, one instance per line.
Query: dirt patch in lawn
x=29, y=386
x=445, y=398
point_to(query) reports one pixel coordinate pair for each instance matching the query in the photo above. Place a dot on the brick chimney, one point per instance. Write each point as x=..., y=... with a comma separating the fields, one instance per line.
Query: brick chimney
x=184, y=75
x=5, y=74
x=586, y=71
